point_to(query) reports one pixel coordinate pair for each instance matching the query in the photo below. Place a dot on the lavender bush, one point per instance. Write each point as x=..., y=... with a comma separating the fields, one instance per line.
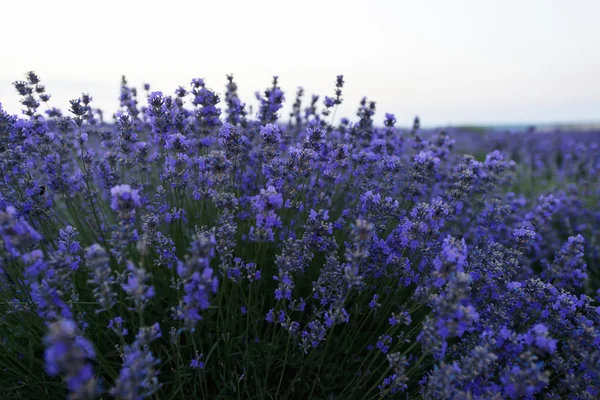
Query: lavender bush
x=194, y=251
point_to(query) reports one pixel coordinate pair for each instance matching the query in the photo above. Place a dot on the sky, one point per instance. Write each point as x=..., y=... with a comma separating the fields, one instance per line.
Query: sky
x=450, y=62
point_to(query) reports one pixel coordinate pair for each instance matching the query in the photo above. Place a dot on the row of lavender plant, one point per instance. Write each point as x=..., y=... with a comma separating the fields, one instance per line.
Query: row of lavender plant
x=187, y=251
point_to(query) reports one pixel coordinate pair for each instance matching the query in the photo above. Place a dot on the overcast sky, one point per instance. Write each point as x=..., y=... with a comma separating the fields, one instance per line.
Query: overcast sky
x=450, y=62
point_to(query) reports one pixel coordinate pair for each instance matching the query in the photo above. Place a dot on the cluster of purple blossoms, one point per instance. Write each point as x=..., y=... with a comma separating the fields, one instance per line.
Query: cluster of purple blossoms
x=265, y=205
x=67, y=354
x=15, y=232
x=138, y=377
x=136, y=287
x=124, y=199
x=101, y=276
x=270, y=103
x=315, y=258
x=197, y=279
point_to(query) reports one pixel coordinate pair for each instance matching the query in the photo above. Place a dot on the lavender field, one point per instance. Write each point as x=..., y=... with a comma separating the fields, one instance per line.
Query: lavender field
x=192, y=245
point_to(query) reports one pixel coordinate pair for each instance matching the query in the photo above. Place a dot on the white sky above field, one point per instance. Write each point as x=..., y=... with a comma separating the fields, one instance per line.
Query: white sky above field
x=450, y=62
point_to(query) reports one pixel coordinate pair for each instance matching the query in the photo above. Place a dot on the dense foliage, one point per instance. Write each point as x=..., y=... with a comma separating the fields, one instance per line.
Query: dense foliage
x=186, y=251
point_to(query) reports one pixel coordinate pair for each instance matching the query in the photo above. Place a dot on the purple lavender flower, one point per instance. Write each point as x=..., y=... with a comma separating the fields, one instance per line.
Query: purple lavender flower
x=68, y=354
x=116, y=325
x=264, y=205
x=568, y=269
x=16, y=234
x=373, y=304
x=101, y=277
x=271, y=103
x=312, y=336
x=268, y=200
x=538, y=337
x=124, y=199
x=178, y=143
x=136, y=287
x=232, y=141
x=383, y=344
x=198, y=280
x=138, y=377
x=208, y=114
x=397, y=382
x=270, y=135
x=390, y=120
x=236, y=110
x=196, y=362
x=452, y=259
